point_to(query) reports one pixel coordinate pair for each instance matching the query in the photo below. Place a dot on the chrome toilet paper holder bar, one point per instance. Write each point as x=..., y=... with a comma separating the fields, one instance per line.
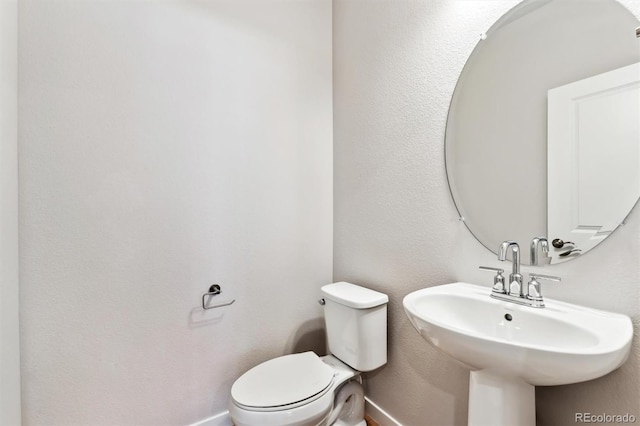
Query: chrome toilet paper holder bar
x=214, y=290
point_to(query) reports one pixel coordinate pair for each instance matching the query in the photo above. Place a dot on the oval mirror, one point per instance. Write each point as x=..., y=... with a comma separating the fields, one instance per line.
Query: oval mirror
x=543, y=133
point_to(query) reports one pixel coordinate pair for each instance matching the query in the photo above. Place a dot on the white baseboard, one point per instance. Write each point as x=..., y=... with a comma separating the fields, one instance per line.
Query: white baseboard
x=378, y=414
x=221, y=419
x=371, y=408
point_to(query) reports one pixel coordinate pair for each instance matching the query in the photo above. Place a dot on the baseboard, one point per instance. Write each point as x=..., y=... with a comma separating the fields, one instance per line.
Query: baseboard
x=371, y=408
x=378, y=414
x=221, y=419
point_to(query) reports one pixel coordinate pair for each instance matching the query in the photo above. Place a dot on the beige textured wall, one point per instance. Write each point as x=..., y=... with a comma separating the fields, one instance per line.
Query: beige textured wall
x=396, y=228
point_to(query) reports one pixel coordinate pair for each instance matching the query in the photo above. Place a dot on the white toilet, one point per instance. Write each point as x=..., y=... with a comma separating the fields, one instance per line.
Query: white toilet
x=307, y=390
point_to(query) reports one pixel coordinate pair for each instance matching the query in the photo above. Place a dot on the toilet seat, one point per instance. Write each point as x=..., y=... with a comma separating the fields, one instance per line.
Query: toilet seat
x=283, y=383
x=311, y=411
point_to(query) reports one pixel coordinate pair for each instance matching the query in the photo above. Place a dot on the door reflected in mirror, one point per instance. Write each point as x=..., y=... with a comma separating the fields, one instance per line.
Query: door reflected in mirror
x=543, y=135
x=593, y=125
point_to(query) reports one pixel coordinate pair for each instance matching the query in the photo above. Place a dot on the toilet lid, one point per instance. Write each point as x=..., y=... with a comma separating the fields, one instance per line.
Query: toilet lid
x=282, y=381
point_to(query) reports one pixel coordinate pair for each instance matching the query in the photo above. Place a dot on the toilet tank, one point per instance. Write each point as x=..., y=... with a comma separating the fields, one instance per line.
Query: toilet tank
x=356, y=321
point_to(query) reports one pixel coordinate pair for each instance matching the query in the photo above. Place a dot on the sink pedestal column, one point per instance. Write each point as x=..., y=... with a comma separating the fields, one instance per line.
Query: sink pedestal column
x=496, y=400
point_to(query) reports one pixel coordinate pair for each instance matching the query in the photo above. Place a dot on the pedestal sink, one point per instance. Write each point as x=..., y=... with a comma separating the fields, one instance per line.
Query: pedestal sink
x=511, y=348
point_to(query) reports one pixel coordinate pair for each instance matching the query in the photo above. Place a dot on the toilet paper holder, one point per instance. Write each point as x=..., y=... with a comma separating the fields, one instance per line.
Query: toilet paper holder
x=214, y=290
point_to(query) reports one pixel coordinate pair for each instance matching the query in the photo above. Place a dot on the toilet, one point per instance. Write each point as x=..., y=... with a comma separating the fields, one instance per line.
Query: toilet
x=304, y=389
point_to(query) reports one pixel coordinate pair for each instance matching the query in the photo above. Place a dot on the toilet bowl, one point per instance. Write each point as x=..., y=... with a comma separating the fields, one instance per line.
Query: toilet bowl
x=304, y=389
x=305, y=393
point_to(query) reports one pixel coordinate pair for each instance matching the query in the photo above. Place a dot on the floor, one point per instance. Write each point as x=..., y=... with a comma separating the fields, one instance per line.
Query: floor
x=370, y=421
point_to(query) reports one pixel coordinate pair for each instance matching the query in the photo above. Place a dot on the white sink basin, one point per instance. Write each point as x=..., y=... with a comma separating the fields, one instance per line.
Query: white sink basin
x=558, y=344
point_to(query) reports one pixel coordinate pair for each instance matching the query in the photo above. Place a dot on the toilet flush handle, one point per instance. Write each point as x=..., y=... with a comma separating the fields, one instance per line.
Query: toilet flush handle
x=321, y=301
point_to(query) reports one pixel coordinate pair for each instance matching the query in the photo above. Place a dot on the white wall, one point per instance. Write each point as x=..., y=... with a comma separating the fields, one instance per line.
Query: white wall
x=165, y=146
x=396, y=228
x=9, y=330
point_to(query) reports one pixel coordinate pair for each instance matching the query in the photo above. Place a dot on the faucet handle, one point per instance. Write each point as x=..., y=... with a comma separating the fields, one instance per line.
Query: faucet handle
x=534, y=292
x=534, y=275
x=498, y=280
x=489, y=268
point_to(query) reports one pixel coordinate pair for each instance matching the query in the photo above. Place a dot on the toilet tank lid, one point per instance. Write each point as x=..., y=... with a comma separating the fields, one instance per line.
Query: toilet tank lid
x=353, y=296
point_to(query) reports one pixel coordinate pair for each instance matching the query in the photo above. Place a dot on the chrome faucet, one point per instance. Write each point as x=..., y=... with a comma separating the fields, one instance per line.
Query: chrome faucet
x=544, y=245
x=514, y=287
x=514, y=290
